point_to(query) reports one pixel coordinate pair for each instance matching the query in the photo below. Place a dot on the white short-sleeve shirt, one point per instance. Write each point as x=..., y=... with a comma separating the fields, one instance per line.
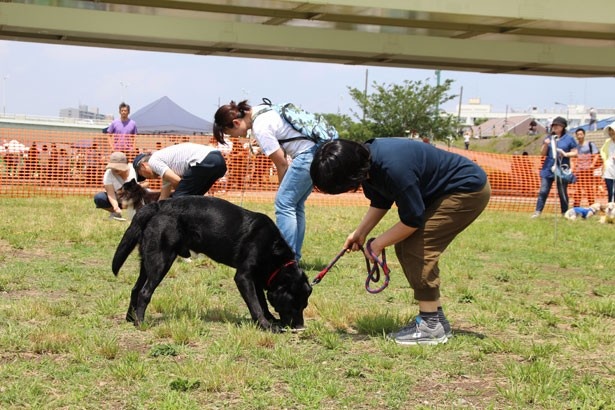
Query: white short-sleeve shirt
x=112, y=179
x=269, y=127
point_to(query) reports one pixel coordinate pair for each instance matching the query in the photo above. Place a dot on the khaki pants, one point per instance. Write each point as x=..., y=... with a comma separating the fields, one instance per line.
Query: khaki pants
x=445, y=219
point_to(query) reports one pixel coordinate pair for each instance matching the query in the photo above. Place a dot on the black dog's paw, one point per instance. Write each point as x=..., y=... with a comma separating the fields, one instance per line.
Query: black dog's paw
x=131, y=316
x=270, y=326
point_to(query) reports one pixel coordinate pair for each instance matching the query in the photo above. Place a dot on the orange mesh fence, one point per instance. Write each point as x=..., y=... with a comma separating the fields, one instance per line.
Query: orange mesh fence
x=60, y=163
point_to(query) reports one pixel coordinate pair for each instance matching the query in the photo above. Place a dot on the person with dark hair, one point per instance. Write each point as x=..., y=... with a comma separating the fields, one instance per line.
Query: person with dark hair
x=557, y=148
x=438, y=194
x=587, y=153
x=186, y=168
x=295, y=184
x=121, y=131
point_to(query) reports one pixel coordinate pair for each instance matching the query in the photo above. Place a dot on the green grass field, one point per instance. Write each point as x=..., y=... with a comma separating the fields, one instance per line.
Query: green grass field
x=532, y=304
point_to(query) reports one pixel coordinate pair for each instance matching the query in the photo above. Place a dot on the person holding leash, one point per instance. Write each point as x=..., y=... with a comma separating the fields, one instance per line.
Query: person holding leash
x=438, y=194
x=295, y=184
x=557, y=148
x=186, y=169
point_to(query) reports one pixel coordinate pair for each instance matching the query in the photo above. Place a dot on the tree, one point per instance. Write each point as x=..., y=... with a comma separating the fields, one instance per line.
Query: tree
x=348, y=129
x=399, y=110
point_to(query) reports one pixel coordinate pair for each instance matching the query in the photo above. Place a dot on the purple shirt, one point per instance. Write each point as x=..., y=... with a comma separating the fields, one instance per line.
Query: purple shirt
x=121, y=131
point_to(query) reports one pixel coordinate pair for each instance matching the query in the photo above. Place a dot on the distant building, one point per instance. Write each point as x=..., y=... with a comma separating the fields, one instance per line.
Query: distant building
x=577, y=115
x=83, y=113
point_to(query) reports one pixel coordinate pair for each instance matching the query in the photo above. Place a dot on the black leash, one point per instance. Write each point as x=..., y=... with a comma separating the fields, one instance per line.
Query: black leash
x=373, y=271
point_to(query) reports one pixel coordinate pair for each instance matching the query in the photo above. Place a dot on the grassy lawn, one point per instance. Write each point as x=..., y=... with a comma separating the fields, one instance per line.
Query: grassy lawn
x=532, y=304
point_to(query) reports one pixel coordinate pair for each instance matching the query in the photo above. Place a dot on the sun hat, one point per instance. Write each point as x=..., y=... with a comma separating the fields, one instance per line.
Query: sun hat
x=606, y=129
x=118, y=162
x=560, y=121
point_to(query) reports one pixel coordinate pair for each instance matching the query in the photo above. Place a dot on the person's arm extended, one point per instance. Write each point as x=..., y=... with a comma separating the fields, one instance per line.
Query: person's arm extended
x=544, y=150
x=165, y=192
x=393, y=235
x=169, y=181
x=171, y=177
x=369, y=221
x=281, y=164
x=112, y=198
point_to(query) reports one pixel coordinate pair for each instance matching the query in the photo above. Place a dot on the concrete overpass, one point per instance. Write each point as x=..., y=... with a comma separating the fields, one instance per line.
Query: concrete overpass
x=536, y=37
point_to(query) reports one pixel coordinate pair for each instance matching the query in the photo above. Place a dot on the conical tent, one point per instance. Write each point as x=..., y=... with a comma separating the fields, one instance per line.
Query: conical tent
x=163, y=116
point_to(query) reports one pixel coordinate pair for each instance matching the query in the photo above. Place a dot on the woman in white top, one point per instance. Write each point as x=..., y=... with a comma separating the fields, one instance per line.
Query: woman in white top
x=607, y=153
x=269, y=128
x=118, y=172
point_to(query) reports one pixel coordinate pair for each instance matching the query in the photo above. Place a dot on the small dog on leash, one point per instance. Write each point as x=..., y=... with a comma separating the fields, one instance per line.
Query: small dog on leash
x=582, y=212
x=609, y=214
x=133, y=197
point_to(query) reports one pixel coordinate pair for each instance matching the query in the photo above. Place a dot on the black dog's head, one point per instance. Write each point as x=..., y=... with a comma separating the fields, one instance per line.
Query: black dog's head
x=289, y=296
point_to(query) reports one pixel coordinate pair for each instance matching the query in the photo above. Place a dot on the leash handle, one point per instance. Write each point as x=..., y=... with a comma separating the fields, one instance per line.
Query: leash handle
x=373, y=272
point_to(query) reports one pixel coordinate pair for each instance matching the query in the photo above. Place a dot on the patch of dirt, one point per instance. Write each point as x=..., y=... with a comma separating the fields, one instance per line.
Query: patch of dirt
x=8, y=252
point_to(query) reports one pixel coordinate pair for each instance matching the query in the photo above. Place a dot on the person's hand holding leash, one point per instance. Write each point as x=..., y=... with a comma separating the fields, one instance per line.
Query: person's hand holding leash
x=354, y=242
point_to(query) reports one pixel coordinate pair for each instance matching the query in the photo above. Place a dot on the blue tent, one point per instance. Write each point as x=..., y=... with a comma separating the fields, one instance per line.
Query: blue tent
x=599, y=125
x=163, y=116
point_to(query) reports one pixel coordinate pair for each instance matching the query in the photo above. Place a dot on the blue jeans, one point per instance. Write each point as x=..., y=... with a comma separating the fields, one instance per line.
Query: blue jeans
x=545, y=188
x=102, y=200
x=290, y=199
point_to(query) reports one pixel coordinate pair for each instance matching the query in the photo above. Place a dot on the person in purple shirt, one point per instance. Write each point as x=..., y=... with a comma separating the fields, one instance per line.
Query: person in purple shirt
x=438, y=194
x=122, y=131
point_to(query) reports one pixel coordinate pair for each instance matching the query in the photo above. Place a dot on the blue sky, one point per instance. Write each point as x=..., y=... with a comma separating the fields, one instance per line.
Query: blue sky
x=43, y=78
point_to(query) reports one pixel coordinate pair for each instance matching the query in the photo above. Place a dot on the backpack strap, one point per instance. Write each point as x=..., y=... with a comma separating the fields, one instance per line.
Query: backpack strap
x=268, y=106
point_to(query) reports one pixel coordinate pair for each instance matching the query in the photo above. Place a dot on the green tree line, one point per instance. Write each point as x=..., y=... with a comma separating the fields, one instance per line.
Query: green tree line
x=398, y=110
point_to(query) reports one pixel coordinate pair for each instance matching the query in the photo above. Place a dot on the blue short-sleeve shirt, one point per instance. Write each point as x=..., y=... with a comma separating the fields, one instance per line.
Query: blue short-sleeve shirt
x=413, y=174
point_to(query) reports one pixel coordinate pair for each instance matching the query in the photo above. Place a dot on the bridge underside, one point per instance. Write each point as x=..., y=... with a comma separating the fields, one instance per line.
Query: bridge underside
x=536, y=37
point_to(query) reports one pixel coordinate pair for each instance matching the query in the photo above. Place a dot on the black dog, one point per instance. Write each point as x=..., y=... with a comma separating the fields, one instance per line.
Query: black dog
x=228, y=234
x=133, y=195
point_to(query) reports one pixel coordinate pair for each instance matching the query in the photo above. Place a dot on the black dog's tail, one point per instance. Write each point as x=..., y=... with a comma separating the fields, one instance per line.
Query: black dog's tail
x=133, y=235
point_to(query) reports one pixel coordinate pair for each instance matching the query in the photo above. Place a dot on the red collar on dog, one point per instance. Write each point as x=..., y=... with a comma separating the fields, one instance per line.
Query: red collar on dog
x=275, y=272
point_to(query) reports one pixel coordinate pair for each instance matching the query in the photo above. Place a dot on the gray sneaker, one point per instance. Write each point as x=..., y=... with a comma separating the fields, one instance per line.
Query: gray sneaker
x=411, y=327
x=116, y=216
x=418, y=333
x=535, y=215
x=447, y=327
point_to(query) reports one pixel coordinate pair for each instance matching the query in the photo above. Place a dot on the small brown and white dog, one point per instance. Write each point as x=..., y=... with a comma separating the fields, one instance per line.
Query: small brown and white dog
x=609, y=214
x=133, y=196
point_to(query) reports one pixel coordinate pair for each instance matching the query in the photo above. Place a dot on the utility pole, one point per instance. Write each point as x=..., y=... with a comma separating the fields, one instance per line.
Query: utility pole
x=437, y=85
x=365, y=91
x=460, y=100
x=4, y=78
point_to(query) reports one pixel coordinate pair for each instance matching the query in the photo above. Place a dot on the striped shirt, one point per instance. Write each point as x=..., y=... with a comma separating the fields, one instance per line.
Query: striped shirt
x=178, y=157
